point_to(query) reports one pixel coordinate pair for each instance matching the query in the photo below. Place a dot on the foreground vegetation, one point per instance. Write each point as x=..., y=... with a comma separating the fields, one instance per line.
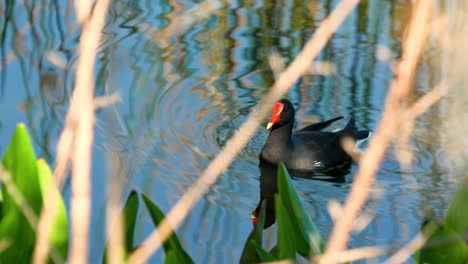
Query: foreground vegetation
x=26, y=181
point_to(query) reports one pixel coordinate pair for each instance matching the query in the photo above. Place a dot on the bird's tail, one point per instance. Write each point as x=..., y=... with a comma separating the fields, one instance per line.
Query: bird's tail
x=351, y=130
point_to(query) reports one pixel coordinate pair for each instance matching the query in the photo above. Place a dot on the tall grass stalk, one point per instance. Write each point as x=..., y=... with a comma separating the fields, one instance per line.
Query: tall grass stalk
x=77, y=137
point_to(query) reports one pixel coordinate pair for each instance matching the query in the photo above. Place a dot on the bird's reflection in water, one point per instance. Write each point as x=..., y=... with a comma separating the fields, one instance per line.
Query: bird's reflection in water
x=269, y=187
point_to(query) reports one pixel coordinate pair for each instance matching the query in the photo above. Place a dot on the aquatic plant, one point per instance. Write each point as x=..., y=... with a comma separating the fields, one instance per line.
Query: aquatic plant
x=25, y=184
x=26, y=181
x=296, y=232
x=447, y=242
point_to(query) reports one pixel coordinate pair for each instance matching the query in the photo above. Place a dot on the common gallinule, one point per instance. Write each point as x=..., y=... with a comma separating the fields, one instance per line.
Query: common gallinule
x=308, y=149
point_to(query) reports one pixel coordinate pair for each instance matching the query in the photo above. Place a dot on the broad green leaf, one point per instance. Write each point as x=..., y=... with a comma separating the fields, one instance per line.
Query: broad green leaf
x=249, y=254
x=172, y=243
x=457, y=214
x=19, y=162
x=286, y=243
x=58, y=236
x=307, y=238
x=443, y=246
x=262, y=253
x=129, y=215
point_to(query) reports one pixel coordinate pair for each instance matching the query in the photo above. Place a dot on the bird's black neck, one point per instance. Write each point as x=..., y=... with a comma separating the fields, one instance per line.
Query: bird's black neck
x=279, y=137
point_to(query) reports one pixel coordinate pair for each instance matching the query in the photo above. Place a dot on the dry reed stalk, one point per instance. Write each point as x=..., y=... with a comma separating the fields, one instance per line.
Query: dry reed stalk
x=298, y=67
x=115, y=222
x=64, y=148
x=404, y=153
x=115, y=231
x=406, y=252
x=354, y=254
x=336, y=211
x=83, y=9
x=81, y=116
x=107, y=100
x=44, y=226
x=399, y=91
x=427, y=100
x=76, y=139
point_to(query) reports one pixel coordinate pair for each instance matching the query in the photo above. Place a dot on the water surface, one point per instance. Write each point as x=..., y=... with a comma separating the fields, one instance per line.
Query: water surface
x=185, y=93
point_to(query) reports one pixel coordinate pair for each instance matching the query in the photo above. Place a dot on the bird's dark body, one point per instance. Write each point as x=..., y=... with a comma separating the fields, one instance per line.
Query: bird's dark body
x=308, y=149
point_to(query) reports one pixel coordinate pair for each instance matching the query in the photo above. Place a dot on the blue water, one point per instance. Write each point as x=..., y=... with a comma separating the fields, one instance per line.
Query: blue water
x=184, y=94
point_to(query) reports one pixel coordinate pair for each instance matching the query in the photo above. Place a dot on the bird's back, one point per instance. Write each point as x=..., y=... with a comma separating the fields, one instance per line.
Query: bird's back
x=315, y=150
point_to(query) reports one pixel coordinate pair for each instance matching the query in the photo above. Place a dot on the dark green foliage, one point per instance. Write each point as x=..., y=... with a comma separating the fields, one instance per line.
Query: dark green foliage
x=305, y=234
x=129, y=215
x=443, y=246
x=296, y=231
x=172, y=247
x=263, y=254
x=286, y=241
x=249, y=254
x=130, y=212
x=172, y=243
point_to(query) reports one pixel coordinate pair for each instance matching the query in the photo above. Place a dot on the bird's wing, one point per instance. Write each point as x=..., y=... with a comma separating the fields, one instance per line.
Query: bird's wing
x=320, y=125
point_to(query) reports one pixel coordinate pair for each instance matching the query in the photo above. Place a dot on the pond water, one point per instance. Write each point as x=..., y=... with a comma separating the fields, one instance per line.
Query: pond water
x=186, y=90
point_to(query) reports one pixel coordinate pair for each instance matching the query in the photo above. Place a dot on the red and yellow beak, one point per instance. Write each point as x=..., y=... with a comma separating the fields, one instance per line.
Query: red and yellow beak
x=254, y=218
x=275, y=116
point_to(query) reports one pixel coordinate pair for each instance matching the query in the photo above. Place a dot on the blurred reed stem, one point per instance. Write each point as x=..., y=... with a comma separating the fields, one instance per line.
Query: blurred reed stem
x=397, y=101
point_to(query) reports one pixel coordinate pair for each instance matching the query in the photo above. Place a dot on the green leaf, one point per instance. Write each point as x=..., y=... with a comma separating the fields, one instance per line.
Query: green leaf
x=307, y=238
x=19, y=162
x=1, y=204
x=262, y=253
x=286, y=244
x=174, y=257
x=443, y=246
x=249, y=254
x=274, y=251
x=129, y=215
x=172, y=243
x=58, y=236
x=457, y=214
x=130, y=212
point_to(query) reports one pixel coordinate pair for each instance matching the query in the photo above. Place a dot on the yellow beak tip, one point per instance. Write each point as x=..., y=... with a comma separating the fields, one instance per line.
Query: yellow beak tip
x=269, y=125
